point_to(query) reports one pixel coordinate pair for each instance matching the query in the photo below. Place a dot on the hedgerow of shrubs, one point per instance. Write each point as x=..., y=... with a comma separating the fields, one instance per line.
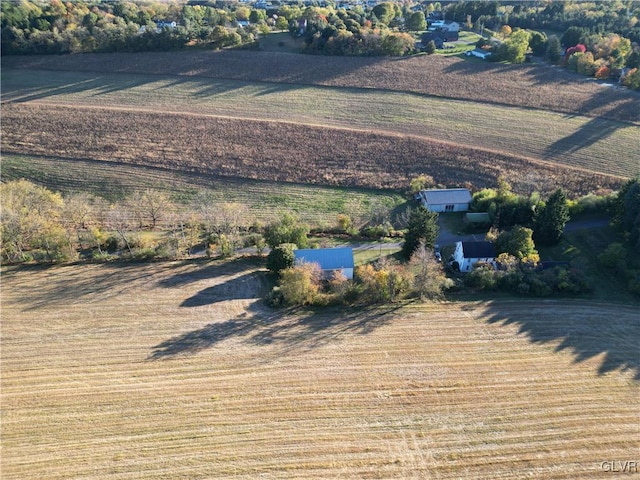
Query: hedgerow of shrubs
x=528, y=281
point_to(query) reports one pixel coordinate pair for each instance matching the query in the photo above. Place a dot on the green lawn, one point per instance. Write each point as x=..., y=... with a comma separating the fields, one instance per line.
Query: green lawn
x=467, y=41
x=319, y=206
x=279, y=42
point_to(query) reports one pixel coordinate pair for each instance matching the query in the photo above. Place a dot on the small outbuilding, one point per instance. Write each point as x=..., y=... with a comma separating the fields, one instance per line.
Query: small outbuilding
x=478, y=53
x=445, y=200
x=467, y=254
x=330, y=260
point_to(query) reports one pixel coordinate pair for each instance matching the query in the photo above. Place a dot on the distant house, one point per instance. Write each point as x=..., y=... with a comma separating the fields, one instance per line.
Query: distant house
x=439, y=36
x=467, y=254
x=445, y=200
x=478, y=53
x=243, y=23
x=450, y=26
x=330, y=260
x=164, y=24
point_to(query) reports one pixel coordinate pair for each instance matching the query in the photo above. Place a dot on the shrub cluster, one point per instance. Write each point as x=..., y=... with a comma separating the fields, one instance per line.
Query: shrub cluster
x=528, y=281
x=385, y=281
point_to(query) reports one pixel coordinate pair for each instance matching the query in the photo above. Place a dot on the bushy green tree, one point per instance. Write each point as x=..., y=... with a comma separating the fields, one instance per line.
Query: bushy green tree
x=423, y=227
x=632, y=79
x=482, y=277
x=430, y=48
x=613, y=256
x=281, y=257
x=286, y=230
x=573, y=36
x=538, y=43
x=421, y=182
x=416, y=22
x=514, y=48
x=517, y=242
x=384, y=12
x=551, y=218
x=397, y=44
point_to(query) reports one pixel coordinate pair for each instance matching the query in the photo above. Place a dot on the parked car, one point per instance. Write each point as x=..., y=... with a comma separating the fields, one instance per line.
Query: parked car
x=436, y=252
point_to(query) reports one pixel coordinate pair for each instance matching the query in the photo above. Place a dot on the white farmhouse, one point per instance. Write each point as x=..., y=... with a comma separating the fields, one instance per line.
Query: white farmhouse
x=445, y=200
x=467, y=254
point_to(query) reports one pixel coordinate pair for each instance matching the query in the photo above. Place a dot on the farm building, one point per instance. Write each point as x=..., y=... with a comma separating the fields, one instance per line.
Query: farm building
x=329, y=259
x=467, y=254
x=445, y=200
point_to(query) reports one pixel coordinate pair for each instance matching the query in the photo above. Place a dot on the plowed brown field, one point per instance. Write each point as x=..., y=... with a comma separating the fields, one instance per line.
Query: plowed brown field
x=328, y=121
x=274, y=151
x=177, y=371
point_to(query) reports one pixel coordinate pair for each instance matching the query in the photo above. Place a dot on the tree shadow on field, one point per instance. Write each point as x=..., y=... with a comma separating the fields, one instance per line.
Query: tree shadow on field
x=595, y=130
x=287, y=329
x=583, y=329
x=98, y=84
x=597, y=100
x=206, y=269
x=246, y=286
x=69, y=284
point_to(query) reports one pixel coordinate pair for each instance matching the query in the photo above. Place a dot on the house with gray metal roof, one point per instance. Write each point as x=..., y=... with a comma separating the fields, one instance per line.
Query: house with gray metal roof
x=330, y=260
x=445, y=199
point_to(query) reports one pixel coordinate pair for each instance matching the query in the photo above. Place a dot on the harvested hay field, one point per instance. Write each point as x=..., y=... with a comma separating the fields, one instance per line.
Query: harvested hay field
x=535, y=86
x=176, y=370
x=273, y=151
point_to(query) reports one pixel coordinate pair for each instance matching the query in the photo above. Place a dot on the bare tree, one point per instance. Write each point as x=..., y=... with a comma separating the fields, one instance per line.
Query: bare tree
x=120, y=219
x=430, y=279
x=150, y=207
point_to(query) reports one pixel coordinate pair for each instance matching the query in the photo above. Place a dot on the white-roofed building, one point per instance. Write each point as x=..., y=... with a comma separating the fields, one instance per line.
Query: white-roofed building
x=445, y=200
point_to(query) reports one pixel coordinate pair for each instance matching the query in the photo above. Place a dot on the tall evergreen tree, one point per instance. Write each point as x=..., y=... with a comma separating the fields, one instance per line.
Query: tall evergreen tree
x=626, y=210
x=554, y=49
x=551, y=219
x=422, y=227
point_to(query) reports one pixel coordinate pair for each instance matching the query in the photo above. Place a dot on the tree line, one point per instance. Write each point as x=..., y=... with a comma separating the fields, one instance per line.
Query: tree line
x=619, y=17
x=81, y=26
x=608, y=31
x=39, y=225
